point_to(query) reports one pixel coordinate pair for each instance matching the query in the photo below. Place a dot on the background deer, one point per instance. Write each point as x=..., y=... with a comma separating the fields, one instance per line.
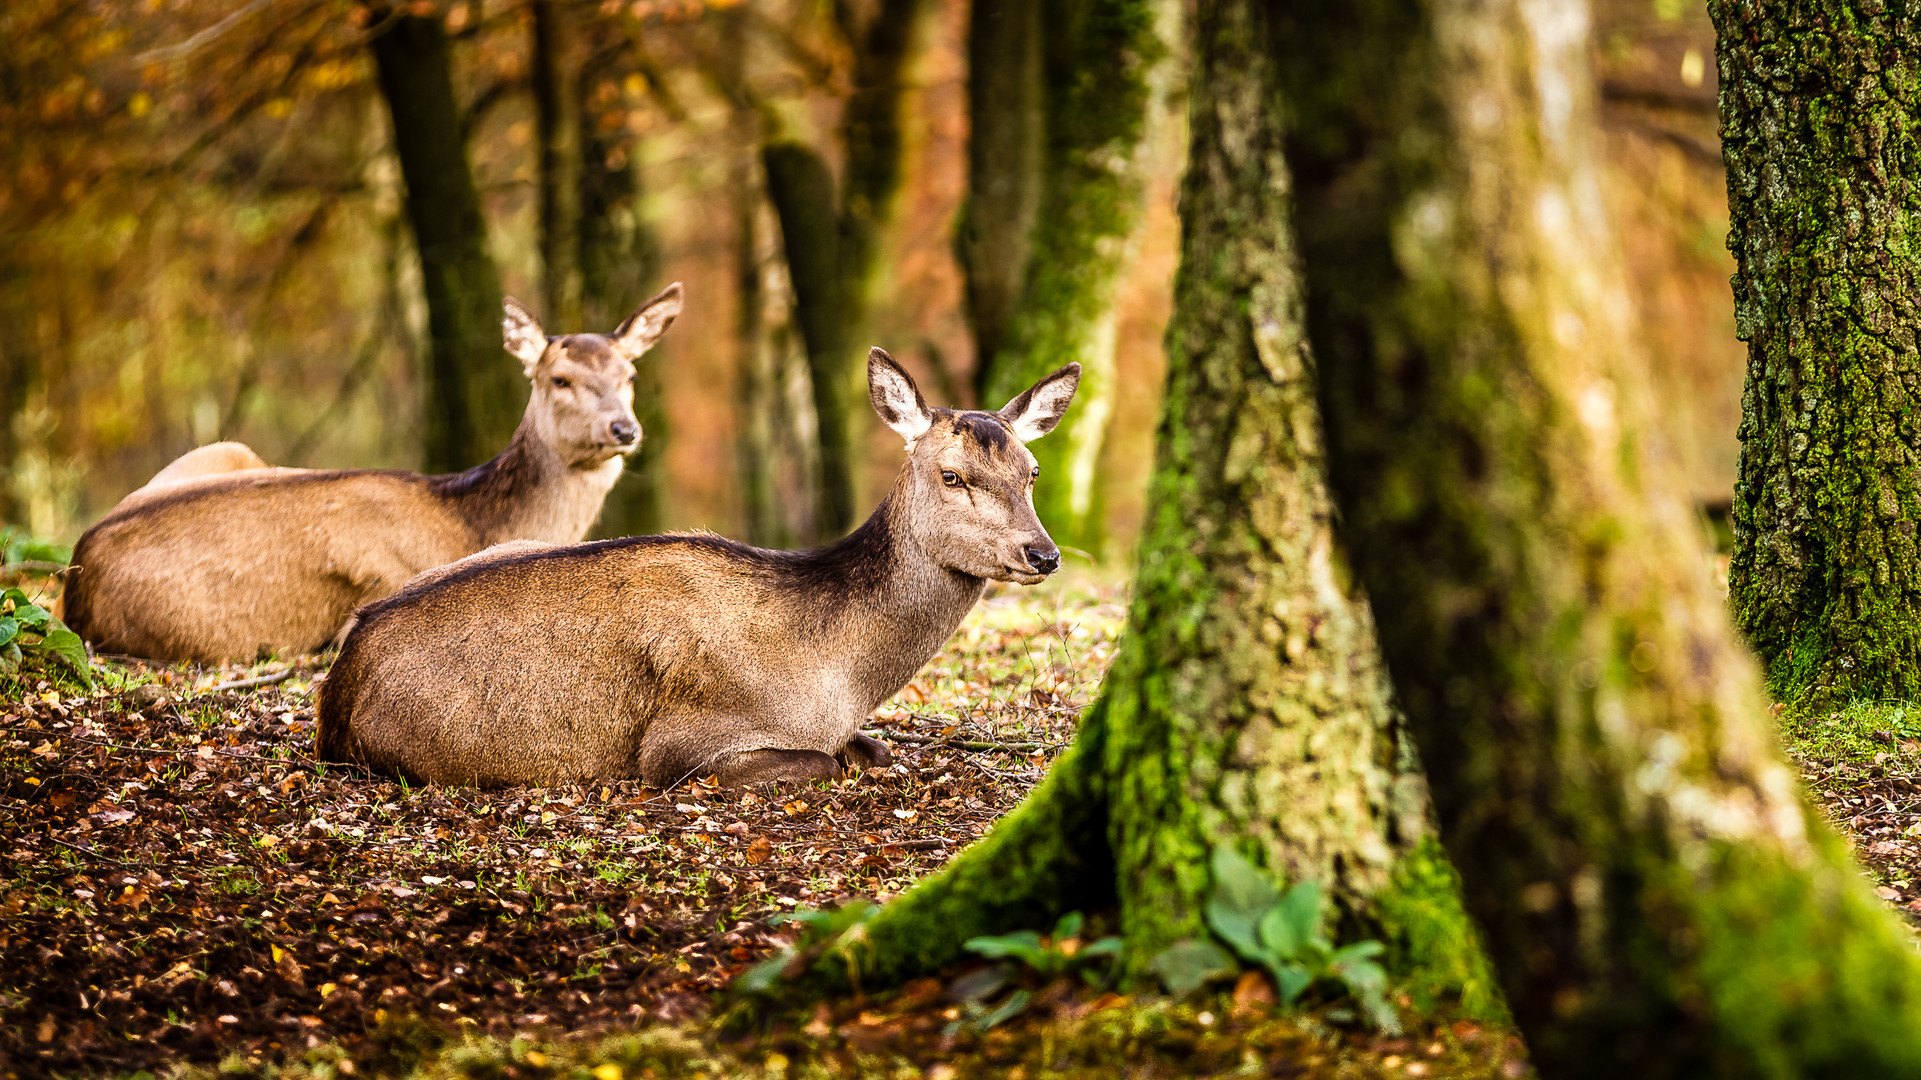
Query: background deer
x=221, y=557
x=666, y=656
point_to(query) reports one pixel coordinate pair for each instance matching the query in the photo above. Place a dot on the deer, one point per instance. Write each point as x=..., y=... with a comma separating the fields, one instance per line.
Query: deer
x=667, y=657
x=222, y=557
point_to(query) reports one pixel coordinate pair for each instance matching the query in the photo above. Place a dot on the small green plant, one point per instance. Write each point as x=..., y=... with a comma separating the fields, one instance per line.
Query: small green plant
x=1058, y=954
x=31, y=637
x=819, y=929
x=1283, y=932
x=17, y=548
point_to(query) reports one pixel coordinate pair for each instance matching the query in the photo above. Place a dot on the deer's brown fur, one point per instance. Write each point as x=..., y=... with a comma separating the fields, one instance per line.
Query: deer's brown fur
x=221, y=557
x=661, y=657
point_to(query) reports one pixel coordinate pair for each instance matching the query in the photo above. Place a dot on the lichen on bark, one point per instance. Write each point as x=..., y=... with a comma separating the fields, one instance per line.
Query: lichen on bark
x=1821, y=130
x=1248, y=706
x=1658, y=900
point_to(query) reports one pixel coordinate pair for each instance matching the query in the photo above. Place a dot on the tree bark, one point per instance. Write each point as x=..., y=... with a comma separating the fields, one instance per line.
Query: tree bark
x=556, y=83
x=1658, y=900
x=833, y=244
x=1005, y=139
x=1821, y=130
x=802, y=191
x=20, y=359
x=1101, y=58
x=474, y=396
x=1249, y=706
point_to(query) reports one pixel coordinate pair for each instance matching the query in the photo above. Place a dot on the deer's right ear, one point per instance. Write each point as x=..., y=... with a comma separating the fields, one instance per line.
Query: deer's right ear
x=895, y=396
x=523, y=335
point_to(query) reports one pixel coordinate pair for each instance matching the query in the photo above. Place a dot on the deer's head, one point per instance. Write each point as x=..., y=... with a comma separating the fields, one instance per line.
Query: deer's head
x=583, y=384
x=970, y=482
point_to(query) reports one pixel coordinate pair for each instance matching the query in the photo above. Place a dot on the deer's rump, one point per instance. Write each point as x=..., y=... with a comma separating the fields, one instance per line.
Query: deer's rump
x=233, y=566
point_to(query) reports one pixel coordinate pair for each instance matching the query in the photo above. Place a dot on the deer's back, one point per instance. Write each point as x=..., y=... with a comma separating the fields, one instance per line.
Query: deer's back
x=230, y=565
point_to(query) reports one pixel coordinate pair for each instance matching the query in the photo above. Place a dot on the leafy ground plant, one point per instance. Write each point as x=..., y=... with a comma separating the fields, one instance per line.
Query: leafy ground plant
x=33, y=639
x=1282, y=931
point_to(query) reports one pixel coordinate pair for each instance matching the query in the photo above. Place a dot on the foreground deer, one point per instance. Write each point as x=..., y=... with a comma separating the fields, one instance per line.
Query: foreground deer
x=220, y=557
x=663, y=657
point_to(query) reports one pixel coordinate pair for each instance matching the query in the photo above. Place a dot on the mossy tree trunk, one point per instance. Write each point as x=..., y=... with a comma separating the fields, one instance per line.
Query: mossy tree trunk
x=1657, y=898
x=1006, y=123
x=556, y=84
x=1821, y=129
x=620, y=265
x=833, y=241
x=1248, y=707
x=473, y=395
x=1100, y=59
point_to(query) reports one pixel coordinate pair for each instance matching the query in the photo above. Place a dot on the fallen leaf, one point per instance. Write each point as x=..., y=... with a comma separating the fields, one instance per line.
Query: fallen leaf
x=759, y=850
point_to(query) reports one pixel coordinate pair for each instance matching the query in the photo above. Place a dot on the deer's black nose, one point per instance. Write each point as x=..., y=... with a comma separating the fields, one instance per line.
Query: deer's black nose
x=1046, y=560
x=624, y=432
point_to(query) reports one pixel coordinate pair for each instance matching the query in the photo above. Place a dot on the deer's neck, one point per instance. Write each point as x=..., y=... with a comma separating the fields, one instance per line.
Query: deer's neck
x=888, y=604
x=528, y=492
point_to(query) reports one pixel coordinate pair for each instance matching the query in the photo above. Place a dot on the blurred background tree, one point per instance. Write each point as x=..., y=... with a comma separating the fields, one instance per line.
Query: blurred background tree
x=205, y=232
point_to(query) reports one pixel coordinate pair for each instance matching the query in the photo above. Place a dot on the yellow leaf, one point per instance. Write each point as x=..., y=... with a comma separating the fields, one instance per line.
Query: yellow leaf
x=327, y=988
x=609, y=1071
x=537, y=1059
x=278, y=952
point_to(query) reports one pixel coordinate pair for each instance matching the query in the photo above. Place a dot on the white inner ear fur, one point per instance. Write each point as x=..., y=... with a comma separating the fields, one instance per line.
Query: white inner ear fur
x=644, y=327
x=522, y=334
x=1044, y=408
x=899, y=406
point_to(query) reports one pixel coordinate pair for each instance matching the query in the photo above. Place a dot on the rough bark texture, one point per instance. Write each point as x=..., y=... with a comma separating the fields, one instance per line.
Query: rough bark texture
x=557, y=116
x=1821, y=129
x=1249, y=705
x=473, y=394
x=1101, y=58
x=1006, y=122
x=1658, y=900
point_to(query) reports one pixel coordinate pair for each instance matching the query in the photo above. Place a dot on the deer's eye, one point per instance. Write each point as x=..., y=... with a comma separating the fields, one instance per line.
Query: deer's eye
x=1036, y=474
x=950, y=478
x=561, y=383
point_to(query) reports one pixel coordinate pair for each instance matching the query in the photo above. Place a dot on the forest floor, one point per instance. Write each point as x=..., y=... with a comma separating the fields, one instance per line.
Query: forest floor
x=184, y=886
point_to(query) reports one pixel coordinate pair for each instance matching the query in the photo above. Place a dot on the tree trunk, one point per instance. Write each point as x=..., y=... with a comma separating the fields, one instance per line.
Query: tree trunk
x=1006, y=126
x=620, y=266
x=1821, y=130
x=20, y=361
x=556, y=82
x=1248, y=707
x=473, y=394
x=1658, y=900
x=1101, y=57
x=802, y=191
x=833, y=245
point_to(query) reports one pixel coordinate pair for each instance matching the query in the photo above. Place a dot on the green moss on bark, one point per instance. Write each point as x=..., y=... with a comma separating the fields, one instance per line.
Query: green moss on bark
x=1100, y=59
x=1658, y=901
x=1248, y=706
x=1821, y=129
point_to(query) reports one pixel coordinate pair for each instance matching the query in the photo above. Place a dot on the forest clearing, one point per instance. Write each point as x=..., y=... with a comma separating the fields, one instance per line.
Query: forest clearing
x=1134, y=538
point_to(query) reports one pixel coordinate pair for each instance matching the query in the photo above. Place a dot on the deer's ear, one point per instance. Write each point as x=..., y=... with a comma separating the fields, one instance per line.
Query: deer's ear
x=895, y=396
x=647, y=323
x=523, y=335
x=1039, y=407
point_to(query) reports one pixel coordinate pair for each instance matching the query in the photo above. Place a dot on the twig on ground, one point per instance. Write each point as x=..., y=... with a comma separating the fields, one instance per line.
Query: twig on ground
x=960, y=744
x=247, y=684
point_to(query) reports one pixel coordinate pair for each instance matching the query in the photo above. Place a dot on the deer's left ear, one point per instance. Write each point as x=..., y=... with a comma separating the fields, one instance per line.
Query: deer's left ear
x=1035, y=412
x=895, y=396
x=522, y=335
x=645, y=326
